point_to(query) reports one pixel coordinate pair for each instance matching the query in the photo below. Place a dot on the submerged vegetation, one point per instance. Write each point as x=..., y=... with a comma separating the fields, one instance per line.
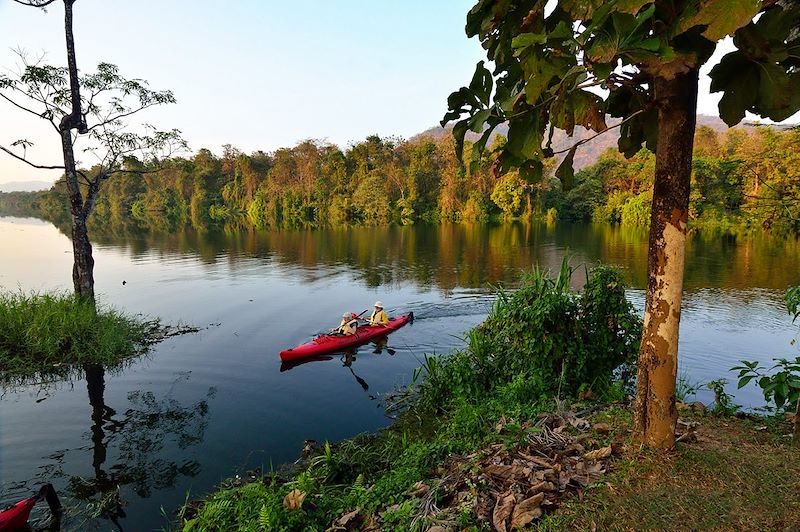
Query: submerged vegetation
x=744, y=179
x=489, y=393
x=44, y=334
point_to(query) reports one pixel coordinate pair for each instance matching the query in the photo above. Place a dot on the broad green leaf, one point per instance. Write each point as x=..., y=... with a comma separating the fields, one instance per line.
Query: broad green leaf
x=459, y=130
x=560, y=32
x=525, y=137
x=539, y=73
x=739, y=80
x=631, y=6
x=603, y=70
x=589, y=110
x=478, y=120
x=720, y=17
x=774, y=92
x=523, y=40
x=481, y=84
x=653, y=44
x=565, y=172
x=479, y=147
x=744, y=380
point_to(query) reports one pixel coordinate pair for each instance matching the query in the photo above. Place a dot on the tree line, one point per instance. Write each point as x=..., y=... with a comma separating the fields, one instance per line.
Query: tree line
x=742, y=179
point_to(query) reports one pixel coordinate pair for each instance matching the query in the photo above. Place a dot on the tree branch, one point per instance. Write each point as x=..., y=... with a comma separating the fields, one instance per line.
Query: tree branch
x=584, y=141
x=26, y=161
x=35, y=3
x=20, y=106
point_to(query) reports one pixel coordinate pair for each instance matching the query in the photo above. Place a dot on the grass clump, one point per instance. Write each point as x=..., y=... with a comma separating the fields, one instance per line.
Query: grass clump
x=43, y=334
x=541, y=340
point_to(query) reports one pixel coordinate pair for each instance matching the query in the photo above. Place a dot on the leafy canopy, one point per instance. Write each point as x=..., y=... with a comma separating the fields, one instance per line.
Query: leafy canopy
x=547, y=58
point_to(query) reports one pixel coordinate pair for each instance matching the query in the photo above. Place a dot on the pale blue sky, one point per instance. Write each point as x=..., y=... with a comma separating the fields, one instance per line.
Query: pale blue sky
x=260, y=74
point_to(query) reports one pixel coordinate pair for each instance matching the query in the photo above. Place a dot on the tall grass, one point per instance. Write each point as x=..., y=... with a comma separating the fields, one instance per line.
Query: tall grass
x=45, y=333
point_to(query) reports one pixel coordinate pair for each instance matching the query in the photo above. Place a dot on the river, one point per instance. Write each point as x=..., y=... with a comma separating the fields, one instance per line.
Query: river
x=203, y=407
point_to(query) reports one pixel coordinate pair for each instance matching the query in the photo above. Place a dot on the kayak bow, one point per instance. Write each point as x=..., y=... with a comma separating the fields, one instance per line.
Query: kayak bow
x=332, y=343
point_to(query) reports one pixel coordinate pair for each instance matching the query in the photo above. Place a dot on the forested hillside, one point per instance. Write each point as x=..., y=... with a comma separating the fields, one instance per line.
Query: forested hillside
x=744, y=179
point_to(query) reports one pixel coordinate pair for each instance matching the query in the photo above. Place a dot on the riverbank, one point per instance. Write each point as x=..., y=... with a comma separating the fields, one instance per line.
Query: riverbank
x=481, y=443
x=559, y=472
x=45, y=334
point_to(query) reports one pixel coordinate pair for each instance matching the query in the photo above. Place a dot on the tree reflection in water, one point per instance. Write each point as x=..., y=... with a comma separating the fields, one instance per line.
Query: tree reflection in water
x=138, y=440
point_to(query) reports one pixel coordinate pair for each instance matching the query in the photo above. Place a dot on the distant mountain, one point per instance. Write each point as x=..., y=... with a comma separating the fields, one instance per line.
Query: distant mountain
x=587, y=153
x=24, y=186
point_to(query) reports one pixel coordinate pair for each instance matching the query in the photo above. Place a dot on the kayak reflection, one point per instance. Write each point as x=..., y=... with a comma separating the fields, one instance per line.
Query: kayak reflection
x=346, y=358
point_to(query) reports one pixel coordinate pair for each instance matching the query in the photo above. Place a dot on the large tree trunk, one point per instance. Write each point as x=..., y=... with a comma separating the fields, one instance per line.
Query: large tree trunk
x=655, y=415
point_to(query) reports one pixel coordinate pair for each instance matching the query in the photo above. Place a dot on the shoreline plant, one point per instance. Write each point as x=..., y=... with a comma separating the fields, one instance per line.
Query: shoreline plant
x=43, y=334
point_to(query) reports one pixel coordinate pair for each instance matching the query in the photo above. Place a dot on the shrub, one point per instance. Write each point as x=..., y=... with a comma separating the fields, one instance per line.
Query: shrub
x=555, y=340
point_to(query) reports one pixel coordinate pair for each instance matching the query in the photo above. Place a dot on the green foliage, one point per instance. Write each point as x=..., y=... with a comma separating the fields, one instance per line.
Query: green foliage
x=781, y=387
x=47, y=333
x=555, y=340
x=743, y=180
x=454, y=410
x=723, y=401
x=636, y=210
x=544, y=60
x=508, y=194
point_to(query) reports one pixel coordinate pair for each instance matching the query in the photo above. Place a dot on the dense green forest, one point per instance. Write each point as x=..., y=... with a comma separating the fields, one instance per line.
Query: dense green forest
x=743, y=179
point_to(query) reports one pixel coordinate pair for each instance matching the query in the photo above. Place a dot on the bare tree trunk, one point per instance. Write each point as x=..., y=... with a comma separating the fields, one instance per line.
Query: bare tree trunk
x=796, y=437
x=655, y=415
x=83, y=262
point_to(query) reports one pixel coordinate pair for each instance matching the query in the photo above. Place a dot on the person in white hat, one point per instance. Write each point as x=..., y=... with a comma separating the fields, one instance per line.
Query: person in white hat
x=349, y=324
x=379, y=316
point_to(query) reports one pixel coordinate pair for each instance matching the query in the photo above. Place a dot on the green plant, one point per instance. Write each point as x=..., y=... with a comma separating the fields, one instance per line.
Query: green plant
x=781, y=387
x=723, y=401
x=48, y=333
x=685, y=387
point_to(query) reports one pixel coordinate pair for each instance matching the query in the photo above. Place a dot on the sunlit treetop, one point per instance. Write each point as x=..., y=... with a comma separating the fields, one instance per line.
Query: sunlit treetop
x=546, y=58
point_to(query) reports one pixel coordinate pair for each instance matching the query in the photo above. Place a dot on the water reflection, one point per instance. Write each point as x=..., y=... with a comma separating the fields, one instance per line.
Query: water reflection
x=139, y=450
x=461, y=255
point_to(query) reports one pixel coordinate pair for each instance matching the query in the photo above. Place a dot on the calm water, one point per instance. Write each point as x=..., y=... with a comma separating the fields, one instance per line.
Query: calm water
x=204, y=407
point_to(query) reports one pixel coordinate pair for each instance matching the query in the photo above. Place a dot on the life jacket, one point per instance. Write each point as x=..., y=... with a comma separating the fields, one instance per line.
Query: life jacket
x=379, y=317
x=349, y=328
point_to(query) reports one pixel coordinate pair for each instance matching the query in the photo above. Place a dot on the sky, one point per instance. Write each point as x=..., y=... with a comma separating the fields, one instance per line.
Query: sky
x=260, y=75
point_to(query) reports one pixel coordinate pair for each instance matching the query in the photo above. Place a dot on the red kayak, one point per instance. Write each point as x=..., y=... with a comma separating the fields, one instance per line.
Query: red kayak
x=332, y=343
x=15, y=517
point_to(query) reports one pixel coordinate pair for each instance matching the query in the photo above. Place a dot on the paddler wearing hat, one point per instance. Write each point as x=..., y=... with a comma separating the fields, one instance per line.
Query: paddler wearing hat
x=378, y=316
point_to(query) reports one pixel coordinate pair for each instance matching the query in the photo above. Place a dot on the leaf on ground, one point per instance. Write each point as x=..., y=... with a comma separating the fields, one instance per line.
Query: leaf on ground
x=502, y=510
x=598, y=454
x=347, y=518
x=294, y=499
x=418, y=490
x=526, y=511
x=579, y=423
x=602, y=428
x=505, y=471
x=543, y=486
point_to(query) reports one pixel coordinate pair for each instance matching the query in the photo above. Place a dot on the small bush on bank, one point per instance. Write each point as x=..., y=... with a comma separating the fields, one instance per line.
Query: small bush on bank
x=47, y=333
